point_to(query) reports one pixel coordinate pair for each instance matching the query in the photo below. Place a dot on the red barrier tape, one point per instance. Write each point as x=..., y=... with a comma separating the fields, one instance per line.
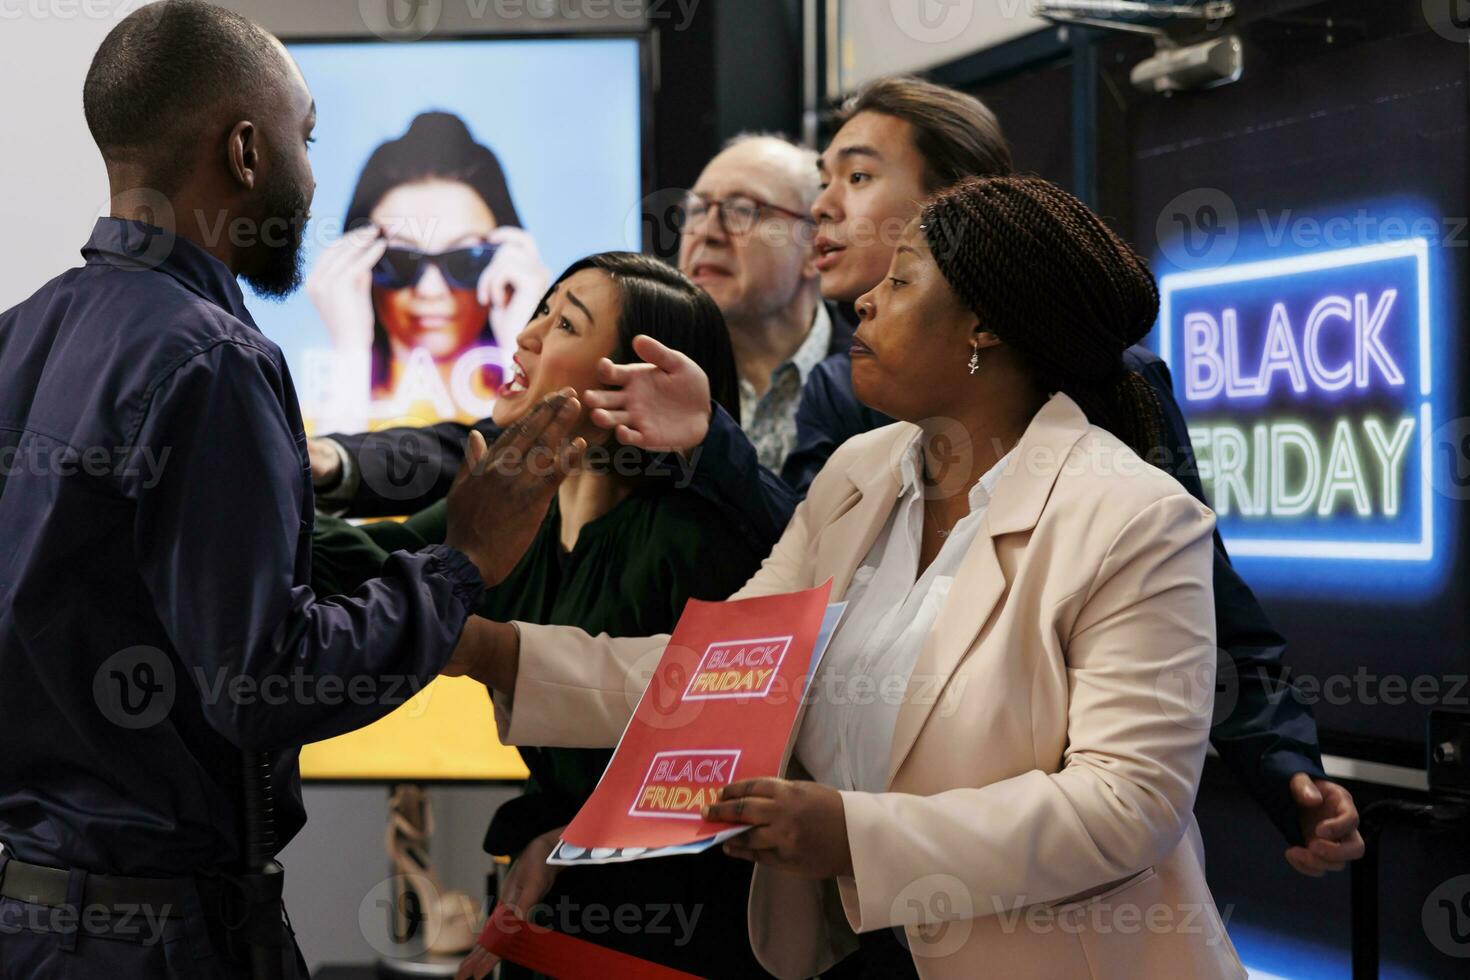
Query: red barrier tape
x=558, y=955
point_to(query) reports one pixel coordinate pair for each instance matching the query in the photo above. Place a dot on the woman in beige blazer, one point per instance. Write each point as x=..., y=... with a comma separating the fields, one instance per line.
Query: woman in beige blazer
x=995, y=773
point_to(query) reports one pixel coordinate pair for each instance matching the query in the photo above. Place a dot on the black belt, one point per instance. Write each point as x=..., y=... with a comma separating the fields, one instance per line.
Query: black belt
x=163, y=897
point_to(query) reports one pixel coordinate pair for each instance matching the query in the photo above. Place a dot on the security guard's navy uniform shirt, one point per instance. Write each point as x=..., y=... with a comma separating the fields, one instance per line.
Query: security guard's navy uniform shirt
x=156, y=506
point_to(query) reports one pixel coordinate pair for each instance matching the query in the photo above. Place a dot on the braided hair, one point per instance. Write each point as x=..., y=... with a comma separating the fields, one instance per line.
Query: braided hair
x=1046, y=276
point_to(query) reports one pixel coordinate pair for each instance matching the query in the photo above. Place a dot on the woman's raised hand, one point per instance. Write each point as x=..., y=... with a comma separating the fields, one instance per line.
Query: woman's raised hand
x=340, y=286
x=512, y=284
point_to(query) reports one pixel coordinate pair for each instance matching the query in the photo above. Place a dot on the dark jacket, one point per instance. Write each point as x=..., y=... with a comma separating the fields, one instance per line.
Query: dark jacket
x=155, y=613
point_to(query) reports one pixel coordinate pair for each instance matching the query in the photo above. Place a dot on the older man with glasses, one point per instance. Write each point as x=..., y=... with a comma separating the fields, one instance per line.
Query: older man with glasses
x=747, y=239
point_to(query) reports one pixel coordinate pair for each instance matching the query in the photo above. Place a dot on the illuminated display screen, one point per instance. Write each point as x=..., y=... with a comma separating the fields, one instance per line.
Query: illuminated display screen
x=445, y=146
x=1307, y=384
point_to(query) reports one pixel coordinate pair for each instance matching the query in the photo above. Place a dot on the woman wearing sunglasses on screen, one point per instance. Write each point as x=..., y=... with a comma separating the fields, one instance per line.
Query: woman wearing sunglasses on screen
x=1030, y=600
x=431, y=283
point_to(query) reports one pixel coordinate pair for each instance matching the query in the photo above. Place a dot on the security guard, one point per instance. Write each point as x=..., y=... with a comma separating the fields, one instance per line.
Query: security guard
x=157, y=505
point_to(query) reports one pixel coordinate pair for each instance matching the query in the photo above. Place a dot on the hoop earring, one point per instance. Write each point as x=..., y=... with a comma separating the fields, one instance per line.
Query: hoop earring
x=974, y=359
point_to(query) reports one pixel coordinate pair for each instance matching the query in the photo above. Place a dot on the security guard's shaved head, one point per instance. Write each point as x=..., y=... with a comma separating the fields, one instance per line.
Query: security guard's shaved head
x=172, y=74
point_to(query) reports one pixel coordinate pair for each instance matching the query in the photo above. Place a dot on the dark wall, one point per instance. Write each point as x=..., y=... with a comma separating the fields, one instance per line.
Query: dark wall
x=758, y=68
x=686, y=124
x=735, y=68
x=1034, y=107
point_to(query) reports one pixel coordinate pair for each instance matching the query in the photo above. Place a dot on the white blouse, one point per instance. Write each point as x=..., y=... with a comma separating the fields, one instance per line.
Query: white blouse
x=846, y=734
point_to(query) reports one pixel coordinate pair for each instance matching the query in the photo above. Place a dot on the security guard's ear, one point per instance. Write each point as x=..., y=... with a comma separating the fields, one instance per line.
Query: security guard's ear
x=242, y=153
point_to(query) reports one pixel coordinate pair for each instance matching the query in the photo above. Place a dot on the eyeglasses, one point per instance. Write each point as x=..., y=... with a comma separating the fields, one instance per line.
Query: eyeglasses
x=737, y=213
x=400, y=268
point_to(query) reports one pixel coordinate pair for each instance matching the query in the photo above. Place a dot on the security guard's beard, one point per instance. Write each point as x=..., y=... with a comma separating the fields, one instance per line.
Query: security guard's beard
x=273, y=266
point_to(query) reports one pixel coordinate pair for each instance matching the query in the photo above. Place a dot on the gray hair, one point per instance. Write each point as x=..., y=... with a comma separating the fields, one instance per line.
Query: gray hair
x=803, y=161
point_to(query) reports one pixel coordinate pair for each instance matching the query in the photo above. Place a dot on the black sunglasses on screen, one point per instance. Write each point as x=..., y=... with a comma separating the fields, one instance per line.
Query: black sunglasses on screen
x=400, y=268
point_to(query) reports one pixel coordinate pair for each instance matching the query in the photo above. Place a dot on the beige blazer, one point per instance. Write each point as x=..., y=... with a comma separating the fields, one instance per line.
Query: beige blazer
x=1046, y=757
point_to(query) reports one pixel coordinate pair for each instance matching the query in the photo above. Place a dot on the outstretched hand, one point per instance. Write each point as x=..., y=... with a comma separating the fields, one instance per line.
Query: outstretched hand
x=662, y=405
x=502, y=492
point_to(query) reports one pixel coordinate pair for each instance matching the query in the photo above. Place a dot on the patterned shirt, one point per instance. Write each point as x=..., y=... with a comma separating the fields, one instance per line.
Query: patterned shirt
x=769, y=420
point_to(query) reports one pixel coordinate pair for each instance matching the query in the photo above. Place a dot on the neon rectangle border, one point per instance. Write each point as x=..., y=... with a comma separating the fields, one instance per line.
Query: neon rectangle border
x=1418, y=250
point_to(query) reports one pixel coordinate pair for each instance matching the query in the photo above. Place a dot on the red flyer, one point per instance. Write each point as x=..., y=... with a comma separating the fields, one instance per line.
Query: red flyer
x=719, y=708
